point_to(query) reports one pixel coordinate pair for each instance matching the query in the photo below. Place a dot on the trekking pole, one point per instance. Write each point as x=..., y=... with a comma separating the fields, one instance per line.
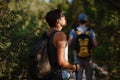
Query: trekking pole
x=76, y=72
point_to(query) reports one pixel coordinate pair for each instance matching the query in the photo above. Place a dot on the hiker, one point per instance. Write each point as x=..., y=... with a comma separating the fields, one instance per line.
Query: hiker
x=84, y=40
x=57, y=45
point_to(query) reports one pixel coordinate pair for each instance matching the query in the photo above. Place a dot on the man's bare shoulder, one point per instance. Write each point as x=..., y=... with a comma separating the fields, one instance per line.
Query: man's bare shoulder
x=59, y=38
x=60, y=35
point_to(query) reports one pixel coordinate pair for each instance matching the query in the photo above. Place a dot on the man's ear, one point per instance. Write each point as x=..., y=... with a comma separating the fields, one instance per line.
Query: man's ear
x=57, y=21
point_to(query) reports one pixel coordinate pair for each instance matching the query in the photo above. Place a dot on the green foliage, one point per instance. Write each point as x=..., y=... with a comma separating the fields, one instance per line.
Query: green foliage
x=105, y=20
x=22, y=22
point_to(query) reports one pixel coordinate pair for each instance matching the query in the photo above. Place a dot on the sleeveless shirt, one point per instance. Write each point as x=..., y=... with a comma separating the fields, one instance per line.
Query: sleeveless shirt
x=52, y=53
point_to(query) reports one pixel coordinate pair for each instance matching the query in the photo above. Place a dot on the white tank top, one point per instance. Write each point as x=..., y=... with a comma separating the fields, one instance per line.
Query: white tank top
x=66, y=51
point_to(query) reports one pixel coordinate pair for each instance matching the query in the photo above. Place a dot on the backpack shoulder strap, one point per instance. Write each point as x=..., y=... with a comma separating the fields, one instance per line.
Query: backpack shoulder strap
x=45, y=36
x=87, y=32
x=77, y=31
x=52, y=33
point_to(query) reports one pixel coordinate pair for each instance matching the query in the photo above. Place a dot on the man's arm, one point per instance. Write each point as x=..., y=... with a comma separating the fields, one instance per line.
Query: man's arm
x=70, y=40
x=95, y=44
x=60, y=43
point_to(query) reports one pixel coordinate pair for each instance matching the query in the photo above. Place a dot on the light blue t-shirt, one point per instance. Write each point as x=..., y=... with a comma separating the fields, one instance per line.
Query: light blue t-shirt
x=73, y=34
x=82, y=29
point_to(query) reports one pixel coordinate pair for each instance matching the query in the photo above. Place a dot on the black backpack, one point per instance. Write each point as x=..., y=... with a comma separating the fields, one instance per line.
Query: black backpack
x=39, y=65
x=83, y=43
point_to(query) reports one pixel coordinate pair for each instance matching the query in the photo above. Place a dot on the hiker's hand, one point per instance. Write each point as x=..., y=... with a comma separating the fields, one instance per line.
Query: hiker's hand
x=76, y=67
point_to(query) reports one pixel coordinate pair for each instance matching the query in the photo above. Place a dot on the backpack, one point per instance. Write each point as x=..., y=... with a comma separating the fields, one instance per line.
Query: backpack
x=83, y=43
x=39, y=65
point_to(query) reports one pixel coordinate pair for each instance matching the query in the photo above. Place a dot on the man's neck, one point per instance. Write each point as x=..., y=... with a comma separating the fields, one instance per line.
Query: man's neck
x=83, y=25
x=58, y=28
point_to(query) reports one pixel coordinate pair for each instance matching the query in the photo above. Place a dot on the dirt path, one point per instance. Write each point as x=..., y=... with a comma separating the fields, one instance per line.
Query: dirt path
x=72, y=77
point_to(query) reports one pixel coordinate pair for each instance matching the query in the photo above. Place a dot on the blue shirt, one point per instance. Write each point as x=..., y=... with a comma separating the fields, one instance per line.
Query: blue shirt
x=82, y=29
